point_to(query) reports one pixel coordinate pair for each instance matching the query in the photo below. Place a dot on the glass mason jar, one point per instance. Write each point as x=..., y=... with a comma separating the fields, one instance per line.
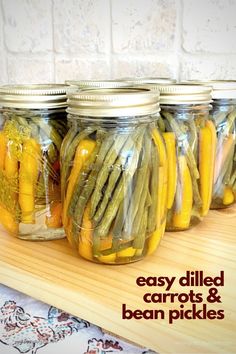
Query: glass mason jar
x=33, y=124
x=114, y=175
x=190, y=139
x=223, y=114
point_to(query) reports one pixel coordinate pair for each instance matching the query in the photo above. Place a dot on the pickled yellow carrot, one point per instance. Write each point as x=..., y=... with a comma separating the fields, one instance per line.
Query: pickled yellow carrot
x=162, y=176
x=159, y=142
x=155, y=238
x=83, y=151
x=110, y=258
x=11, y=165
x=3, y=149
x=127, y=252
x=181, y=219
x=28, y=174
x=86, y=234
x=7, y=221
x=207, y=152
x=228, y=197
x=106, y=243
x=172, y=167
x=54, y=219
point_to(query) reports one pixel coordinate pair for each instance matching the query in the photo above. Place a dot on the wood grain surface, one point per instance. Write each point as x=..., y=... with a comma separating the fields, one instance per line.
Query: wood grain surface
x=53, y=273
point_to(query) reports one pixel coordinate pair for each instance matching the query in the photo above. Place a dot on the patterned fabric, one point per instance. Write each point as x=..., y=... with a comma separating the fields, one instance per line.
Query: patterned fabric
x=30, y=326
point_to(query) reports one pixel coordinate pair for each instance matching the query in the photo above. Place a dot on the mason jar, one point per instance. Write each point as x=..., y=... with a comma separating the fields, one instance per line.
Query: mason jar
x=33, y=125
x=223, y=114
x=190, y=139
x=114, y=175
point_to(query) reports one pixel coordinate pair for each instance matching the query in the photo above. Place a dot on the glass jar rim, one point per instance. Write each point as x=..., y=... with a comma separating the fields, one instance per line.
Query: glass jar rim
x=182, y=94
x=221, y=89
x=115, y=102
x=34, y=96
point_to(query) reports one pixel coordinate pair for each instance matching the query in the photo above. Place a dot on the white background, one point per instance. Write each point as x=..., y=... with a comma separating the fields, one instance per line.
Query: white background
x=54, y=40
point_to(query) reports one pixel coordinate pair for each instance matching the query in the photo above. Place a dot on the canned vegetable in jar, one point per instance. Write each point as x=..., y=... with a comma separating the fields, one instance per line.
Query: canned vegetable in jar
x=114, y=175
x=33, y=124
x=190, y=139
x=223, y=114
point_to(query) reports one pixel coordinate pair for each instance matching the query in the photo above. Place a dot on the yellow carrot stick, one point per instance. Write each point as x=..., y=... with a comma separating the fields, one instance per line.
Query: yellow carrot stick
x=181, y=219
x=28, y=174
x=162, y=176
x=228, y=197
x=172, y=167
x=86, y=234
x=127, y=252
x=7, y=221
x=83, y=151
x=155, y=238
x=3, y=149
x=222, y=154
x=207, y=152
x=54, y=219
x=11, y=163
x=160, y=146
x=110, y=258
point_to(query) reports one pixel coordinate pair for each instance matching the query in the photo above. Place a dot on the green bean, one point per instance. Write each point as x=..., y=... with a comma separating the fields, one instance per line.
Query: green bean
x=123, y=211
x=68, y=139
x=52, y=153
x=118, y=166
x=116, y=248
x=34, y=131
x=59, y=127
x=148, y=202
x=224, y=168
x=180, y=132
x=139, y=240
x=138, y=217
x=179, y=187
x=139, y=184
x=233, y=178
x=153, y=189
x=119, y=194
x=218, y=117
x=228, y=173
x=230, y=123
x=49, y=131
x=21, y=120
x=234, y=187
x=161, y=124
x=193, y=137
x=105, y=170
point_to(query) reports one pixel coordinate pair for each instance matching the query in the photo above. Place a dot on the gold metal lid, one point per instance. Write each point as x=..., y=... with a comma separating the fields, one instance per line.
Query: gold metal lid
x=36, y=96
x=183, y=94
x=115, y=102
x=220, y=88
x=149, y=80
x=85, y=84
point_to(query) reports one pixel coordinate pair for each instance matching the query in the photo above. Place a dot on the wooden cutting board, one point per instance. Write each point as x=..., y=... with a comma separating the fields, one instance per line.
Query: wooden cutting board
x=53, y=273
